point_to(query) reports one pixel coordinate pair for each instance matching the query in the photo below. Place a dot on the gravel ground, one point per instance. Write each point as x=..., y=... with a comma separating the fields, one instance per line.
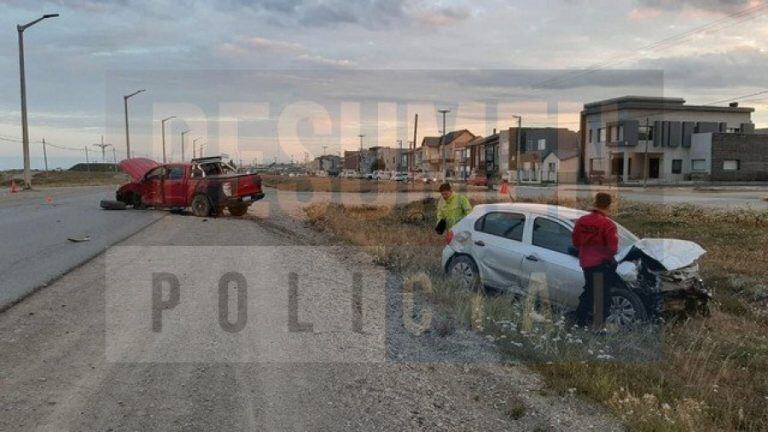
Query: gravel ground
x=65, y=365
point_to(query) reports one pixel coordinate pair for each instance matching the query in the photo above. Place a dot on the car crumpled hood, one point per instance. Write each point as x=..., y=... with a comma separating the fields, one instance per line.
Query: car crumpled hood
x=672, y=254
x=137, y=167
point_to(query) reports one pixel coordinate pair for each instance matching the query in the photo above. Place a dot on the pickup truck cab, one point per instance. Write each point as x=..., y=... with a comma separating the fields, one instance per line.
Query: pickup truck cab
x=206, y=185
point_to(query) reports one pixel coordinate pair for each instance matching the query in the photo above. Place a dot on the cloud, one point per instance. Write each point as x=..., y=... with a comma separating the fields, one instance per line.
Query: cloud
x=708, y=5
x=738, y=67
x=372, y=14
x=295, y=54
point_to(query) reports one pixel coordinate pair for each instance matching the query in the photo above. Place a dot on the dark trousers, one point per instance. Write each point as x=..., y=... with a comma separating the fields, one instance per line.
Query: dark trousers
x=595, y=300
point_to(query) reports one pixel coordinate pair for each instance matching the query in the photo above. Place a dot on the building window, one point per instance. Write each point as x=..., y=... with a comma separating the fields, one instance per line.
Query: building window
x=590, y=135
x=552, y=166
x=542, y=144
x=601, y=135
x=677, y=166
x=732, y=130
x=645, y=133
x=614, y=133
x=621, y=133
x=698, y=165
x=731, y=165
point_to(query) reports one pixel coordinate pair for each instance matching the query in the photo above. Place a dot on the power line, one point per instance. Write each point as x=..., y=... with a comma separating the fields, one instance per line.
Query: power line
x=668, y=42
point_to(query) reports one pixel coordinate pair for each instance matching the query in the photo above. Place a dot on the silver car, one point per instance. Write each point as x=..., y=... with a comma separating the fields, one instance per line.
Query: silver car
x=522, y=248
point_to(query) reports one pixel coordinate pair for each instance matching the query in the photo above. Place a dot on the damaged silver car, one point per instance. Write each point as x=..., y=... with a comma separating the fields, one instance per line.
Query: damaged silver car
x=522, y=248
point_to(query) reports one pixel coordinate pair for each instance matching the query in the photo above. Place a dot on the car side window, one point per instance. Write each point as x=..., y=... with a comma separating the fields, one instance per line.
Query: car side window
x=175, y=173
x=156, y=173
x=507, y=225
x=551, y=235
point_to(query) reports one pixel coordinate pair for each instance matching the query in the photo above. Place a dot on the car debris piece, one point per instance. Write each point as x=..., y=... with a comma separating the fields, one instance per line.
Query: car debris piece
x=79, y=239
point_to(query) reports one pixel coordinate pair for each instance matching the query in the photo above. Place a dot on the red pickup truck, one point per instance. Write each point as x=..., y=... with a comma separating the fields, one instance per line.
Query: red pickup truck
x=207, y=185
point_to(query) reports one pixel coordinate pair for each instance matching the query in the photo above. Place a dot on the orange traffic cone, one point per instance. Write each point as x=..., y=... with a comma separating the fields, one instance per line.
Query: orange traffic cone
x=14, y=188
x=504, y=188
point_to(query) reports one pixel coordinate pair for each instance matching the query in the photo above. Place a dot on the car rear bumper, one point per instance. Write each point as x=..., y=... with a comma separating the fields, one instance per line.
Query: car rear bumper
x=247, y=199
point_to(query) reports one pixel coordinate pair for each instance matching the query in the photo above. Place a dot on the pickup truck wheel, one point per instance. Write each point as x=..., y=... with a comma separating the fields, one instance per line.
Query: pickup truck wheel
x=136, y=201
x=238, y=209
x=201, y=206
x=112, y=205
x=625, y=309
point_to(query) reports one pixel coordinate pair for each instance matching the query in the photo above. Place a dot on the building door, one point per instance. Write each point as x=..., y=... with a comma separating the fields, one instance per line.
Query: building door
x=654, y=167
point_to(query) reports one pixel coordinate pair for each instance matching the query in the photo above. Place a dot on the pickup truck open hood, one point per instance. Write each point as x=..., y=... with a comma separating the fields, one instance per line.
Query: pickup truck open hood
x=137, y=167
x=670, y=253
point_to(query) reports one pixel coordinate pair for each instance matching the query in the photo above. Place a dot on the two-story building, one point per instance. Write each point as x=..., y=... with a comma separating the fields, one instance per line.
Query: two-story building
x=656, y=138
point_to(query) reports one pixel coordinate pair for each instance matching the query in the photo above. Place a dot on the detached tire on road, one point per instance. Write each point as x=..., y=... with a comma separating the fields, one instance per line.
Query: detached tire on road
x=201, y=206
x=238, y=210
x=112, y=205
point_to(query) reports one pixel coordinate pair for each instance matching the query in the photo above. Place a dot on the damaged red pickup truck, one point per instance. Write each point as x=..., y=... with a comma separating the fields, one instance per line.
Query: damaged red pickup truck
x=206, y=185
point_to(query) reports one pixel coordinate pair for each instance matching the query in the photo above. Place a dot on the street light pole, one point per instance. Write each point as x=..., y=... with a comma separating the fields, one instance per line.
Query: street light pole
x=519, y=143
x=360, y=156
x=442, y=143
x=162, y=127
x=182, y=143
x=194, y=143
x=23, y=84
x=127, y=135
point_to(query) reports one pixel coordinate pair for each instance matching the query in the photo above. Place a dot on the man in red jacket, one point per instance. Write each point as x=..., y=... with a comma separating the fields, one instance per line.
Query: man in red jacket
x=596, y=239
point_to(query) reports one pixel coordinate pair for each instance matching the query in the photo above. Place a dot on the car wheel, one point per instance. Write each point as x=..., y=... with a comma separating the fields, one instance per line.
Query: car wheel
x=201, y=206
x=625, y=309
x=136, y=201
x=464, y=271
x=238, y=210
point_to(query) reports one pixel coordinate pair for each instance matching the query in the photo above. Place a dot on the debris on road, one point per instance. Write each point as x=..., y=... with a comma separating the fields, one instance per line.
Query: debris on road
x=79, y=239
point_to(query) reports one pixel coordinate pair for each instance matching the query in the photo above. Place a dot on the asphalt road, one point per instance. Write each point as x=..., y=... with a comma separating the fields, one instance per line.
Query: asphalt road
x=84, y=353
x=35, y=228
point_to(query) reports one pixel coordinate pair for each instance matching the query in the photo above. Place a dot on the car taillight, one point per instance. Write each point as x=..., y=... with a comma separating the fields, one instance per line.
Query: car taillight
x=448, y=236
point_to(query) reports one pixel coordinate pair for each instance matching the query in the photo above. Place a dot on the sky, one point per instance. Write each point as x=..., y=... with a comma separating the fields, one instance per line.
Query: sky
x=279, y=79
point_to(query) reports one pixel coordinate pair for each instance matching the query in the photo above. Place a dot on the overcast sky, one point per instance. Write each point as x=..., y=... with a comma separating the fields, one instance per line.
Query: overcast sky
x=203, y=62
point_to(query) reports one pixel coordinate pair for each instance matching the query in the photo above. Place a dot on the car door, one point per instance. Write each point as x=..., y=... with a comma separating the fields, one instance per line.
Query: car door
x=551, y=261
x=175, y=186
x=152, y=190
x=498, y=249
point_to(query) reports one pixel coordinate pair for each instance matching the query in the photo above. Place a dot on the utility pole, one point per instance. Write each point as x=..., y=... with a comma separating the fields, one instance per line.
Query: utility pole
x=201, y=150
x=194, y=143
x=23, y=84
x=442, y=143
x=645, y=159
x=519, y=144
x=127, y=135
x=182, y=143
x=114, y=157
x=360, y=155
x=87, y=160
x=162, y=127
x=400, y=156
x=45, y=156
x=415, y=128
x=103, y=149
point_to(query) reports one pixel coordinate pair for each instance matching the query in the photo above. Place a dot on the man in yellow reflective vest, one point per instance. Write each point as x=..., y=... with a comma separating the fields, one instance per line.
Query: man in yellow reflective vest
x=452, y=207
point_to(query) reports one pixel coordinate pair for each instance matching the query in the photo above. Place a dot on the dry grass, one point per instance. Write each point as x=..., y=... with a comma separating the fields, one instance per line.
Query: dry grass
x=712, y=372
x=338, y=184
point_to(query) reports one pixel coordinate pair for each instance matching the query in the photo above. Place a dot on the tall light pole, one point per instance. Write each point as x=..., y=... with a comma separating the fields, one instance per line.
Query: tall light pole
x=127, y=135
x=162, y=127
x=194, y=143
x=182, y=143
x=519, y=143
x=360, y=158
x=442, y=143
x=400, y=156
x=23, y=84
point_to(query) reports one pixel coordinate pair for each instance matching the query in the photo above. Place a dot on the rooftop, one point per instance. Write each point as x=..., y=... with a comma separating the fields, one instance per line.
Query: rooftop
x=656, y=103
